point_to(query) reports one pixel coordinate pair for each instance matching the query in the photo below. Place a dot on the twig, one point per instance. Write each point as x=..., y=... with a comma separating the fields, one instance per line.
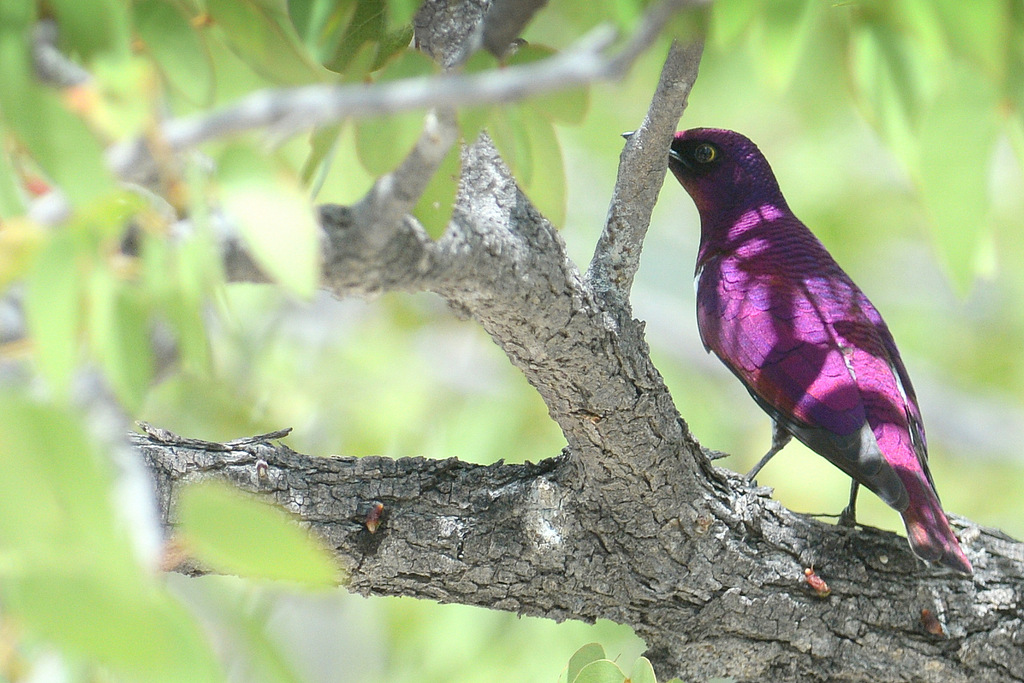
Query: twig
x=287, y=111
x=394, y=195
x=50, y=64
x=641, y=173
x=504, y=20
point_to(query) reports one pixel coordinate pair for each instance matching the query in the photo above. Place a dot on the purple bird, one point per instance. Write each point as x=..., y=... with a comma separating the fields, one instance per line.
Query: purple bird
x=810, y=348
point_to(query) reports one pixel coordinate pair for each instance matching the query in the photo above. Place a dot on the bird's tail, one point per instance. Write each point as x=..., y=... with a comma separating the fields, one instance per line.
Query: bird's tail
x=928, y=530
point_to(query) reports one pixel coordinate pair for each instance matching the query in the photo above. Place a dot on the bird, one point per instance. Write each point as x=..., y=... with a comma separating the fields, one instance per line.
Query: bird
x=805, y=341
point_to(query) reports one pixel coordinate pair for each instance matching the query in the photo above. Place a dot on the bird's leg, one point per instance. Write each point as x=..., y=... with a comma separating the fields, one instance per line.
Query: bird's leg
x=780, y=437
x=848, y=517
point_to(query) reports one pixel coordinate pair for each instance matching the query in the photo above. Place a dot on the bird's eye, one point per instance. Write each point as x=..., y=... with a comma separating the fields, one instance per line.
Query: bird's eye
x=704, y=153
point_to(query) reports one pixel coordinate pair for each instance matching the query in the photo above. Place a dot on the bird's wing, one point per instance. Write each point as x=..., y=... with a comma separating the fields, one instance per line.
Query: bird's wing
x=913, y=412
x=777, y=337
x=892, y=367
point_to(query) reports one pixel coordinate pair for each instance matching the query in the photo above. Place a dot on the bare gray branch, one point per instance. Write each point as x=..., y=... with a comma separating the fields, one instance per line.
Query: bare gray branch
x=50, y=64
x=395, y=194
x=642, y=166
x=287, y=111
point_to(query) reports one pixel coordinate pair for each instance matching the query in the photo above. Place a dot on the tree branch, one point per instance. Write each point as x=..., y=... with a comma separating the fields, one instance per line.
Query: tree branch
x=505, y=20
x=716, y=590
x=642, y=167
x=394, y=195
x=50, y=64
x=286, y=111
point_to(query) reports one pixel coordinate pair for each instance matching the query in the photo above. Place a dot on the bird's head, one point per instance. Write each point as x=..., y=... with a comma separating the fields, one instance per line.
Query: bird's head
x=723, y=171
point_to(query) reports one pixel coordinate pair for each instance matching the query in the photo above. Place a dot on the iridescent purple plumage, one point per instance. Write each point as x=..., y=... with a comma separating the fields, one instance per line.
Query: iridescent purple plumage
x=814, y=353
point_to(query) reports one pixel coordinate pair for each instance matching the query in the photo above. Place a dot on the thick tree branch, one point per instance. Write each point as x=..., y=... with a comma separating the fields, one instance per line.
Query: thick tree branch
x=715, y=591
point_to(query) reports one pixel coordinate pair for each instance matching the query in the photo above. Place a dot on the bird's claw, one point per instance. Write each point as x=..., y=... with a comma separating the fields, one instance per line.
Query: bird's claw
x=848, y=517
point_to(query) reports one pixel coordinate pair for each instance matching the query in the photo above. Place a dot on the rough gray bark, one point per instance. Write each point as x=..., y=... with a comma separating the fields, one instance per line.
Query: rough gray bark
x=712, y=582
x=631, y=522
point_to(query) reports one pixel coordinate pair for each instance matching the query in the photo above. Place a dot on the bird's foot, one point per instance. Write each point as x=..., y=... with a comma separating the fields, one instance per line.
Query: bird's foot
x=848, y=517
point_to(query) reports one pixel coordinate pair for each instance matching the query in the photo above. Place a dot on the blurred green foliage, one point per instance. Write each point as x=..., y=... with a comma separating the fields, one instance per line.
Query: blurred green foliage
x=896, y=130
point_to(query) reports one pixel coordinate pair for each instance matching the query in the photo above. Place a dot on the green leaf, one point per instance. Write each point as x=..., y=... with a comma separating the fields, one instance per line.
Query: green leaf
x=393, y=43
x=20, y=241
x=382, y=142
x=434, y=208
x=625, y=13
x=601, y=671
x=407, y=65
x=368, y=26
x=547, y=184
x=131, y=627
x=261, y=33
x=11, y=202
x=120, y=335
x=567, y=106
x=241, y=535
x=53, y=310
x=179, y=277
x=529, y=53
x=780, y=37
x=347, y=182
x=472, y=120
x=94, y=27
x=591, y=652
x=919, y=22
x=359, y=67
x=980, y=32
x=892, y=84
x=642, y=672
x=322, y=148
x=480, y=61
x=689, y=26
x=957, y=140
x=54, y=500
x=56, y=139
x=69, y=574
x=274, y=216
x=321, y=24
x=401, y=12
x=177, y=47
x=507, y=129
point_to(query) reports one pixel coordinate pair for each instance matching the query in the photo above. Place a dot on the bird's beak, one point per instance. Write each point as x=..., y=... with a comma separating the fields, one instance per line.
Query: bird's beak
x=628, y=134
